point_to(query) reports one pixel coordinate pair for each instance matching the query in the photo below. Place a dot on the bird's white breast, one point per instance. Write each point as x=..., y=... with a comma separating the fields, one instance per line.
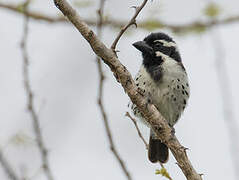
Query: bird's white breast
x=169, y=94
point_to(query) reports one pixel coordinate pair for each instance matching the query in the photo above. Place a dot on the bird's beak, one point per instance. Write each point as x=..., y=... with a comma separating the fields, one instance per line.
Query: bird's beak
x=143, y=47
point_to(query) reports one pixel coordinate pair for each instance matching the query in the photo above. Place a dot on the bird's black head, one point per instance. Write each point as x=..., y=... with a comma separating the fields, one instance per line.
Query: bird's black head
x=156, y=45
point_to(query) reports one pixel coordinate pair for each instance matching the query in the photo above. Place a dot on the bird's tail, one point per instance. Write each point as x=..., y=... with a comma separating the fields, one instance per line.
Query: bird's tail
x=158, y=151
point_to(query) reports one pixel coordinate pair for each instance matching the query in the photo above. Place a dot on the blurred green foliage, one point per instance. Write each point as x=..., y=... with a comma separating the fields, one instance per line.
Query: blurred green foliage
x=212, y=10
x=151, y=24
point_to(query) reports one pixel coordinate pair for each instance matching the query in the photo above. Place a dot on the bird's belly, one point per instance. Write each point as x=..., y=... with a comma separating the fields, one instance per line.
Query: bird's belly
x=169, y=95
x=172, y=98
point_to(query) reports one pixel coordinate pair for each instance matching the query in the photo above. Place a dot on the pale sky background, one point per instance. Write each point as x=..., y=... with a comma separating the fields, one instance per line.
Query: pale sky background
x=65, y=81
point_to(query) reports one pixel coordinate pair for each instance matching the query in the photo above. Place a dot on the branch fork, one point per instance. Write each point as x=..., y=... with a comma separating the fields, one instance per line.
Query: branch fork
x=150, y=112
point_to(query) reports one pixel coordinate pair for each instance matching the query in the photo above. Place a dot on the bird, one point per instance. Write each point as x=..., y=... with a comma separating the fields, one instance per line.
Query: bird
x=163, y=80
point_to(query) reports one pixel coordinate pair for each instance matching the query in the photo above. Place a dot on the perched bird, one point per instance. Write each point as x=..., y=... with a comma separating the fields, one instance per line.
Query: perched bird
x=162, y=78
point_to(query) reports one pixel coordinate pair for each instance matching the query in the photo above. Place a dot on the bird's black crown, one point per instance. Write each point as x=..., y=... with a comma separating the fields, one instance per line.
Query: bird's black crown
x=157, y=42
x=157, y=36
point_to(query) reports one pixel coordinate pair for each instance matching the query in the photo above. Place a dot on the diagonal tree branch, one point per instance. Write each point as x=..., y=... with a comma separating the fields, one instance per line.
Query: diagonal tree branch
x=151, y=114
x=7, y=167
x=30, y=98
x=100, y=95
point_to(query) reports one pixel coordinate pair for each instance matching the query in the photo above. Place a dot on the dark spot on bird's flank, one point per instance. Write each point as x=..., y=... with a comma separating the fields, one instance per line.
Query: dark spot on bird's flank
x=172, y=96
x=149, y=100
x=140, y=91
x=183, y=107
x=144, y=83
x=175, y=99
x=137, y=79
x=178, y=86
x=177, y=116
x=128, y=105
x=186, y=84
x=183, y=92
x=134, y=112
x=172, y=80
x=183, y=87
x=144, y=90
x=153, y=90
x=186, y=93
x=184, y=101
x=178, y=80
x=137, y=84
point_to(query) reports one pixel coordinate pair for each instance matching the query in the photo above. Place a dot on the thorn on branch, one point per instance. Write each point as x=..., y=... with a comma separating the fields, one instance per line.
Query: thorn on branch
x=184, y=148
x=136, y=8
x=134, y=23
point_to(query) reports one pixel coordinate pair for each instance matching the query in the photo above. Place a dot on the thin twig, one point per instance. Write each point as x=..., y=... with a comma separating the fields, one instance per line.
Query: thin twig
x=7, y=167
x=227, y=100
x=32, y=14
x=100, y=95
x=144, y=141
x=30, y=99
x=153, y=117
x=131, y=22
x=137, y=128
x=115, y=23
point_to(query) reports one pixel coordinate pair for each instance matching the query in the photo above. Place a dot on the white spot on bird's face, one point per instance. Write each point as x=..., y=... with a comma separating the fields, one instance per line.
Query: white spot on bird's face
x=166, y=43
x=160, y=54
x=166, y=59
